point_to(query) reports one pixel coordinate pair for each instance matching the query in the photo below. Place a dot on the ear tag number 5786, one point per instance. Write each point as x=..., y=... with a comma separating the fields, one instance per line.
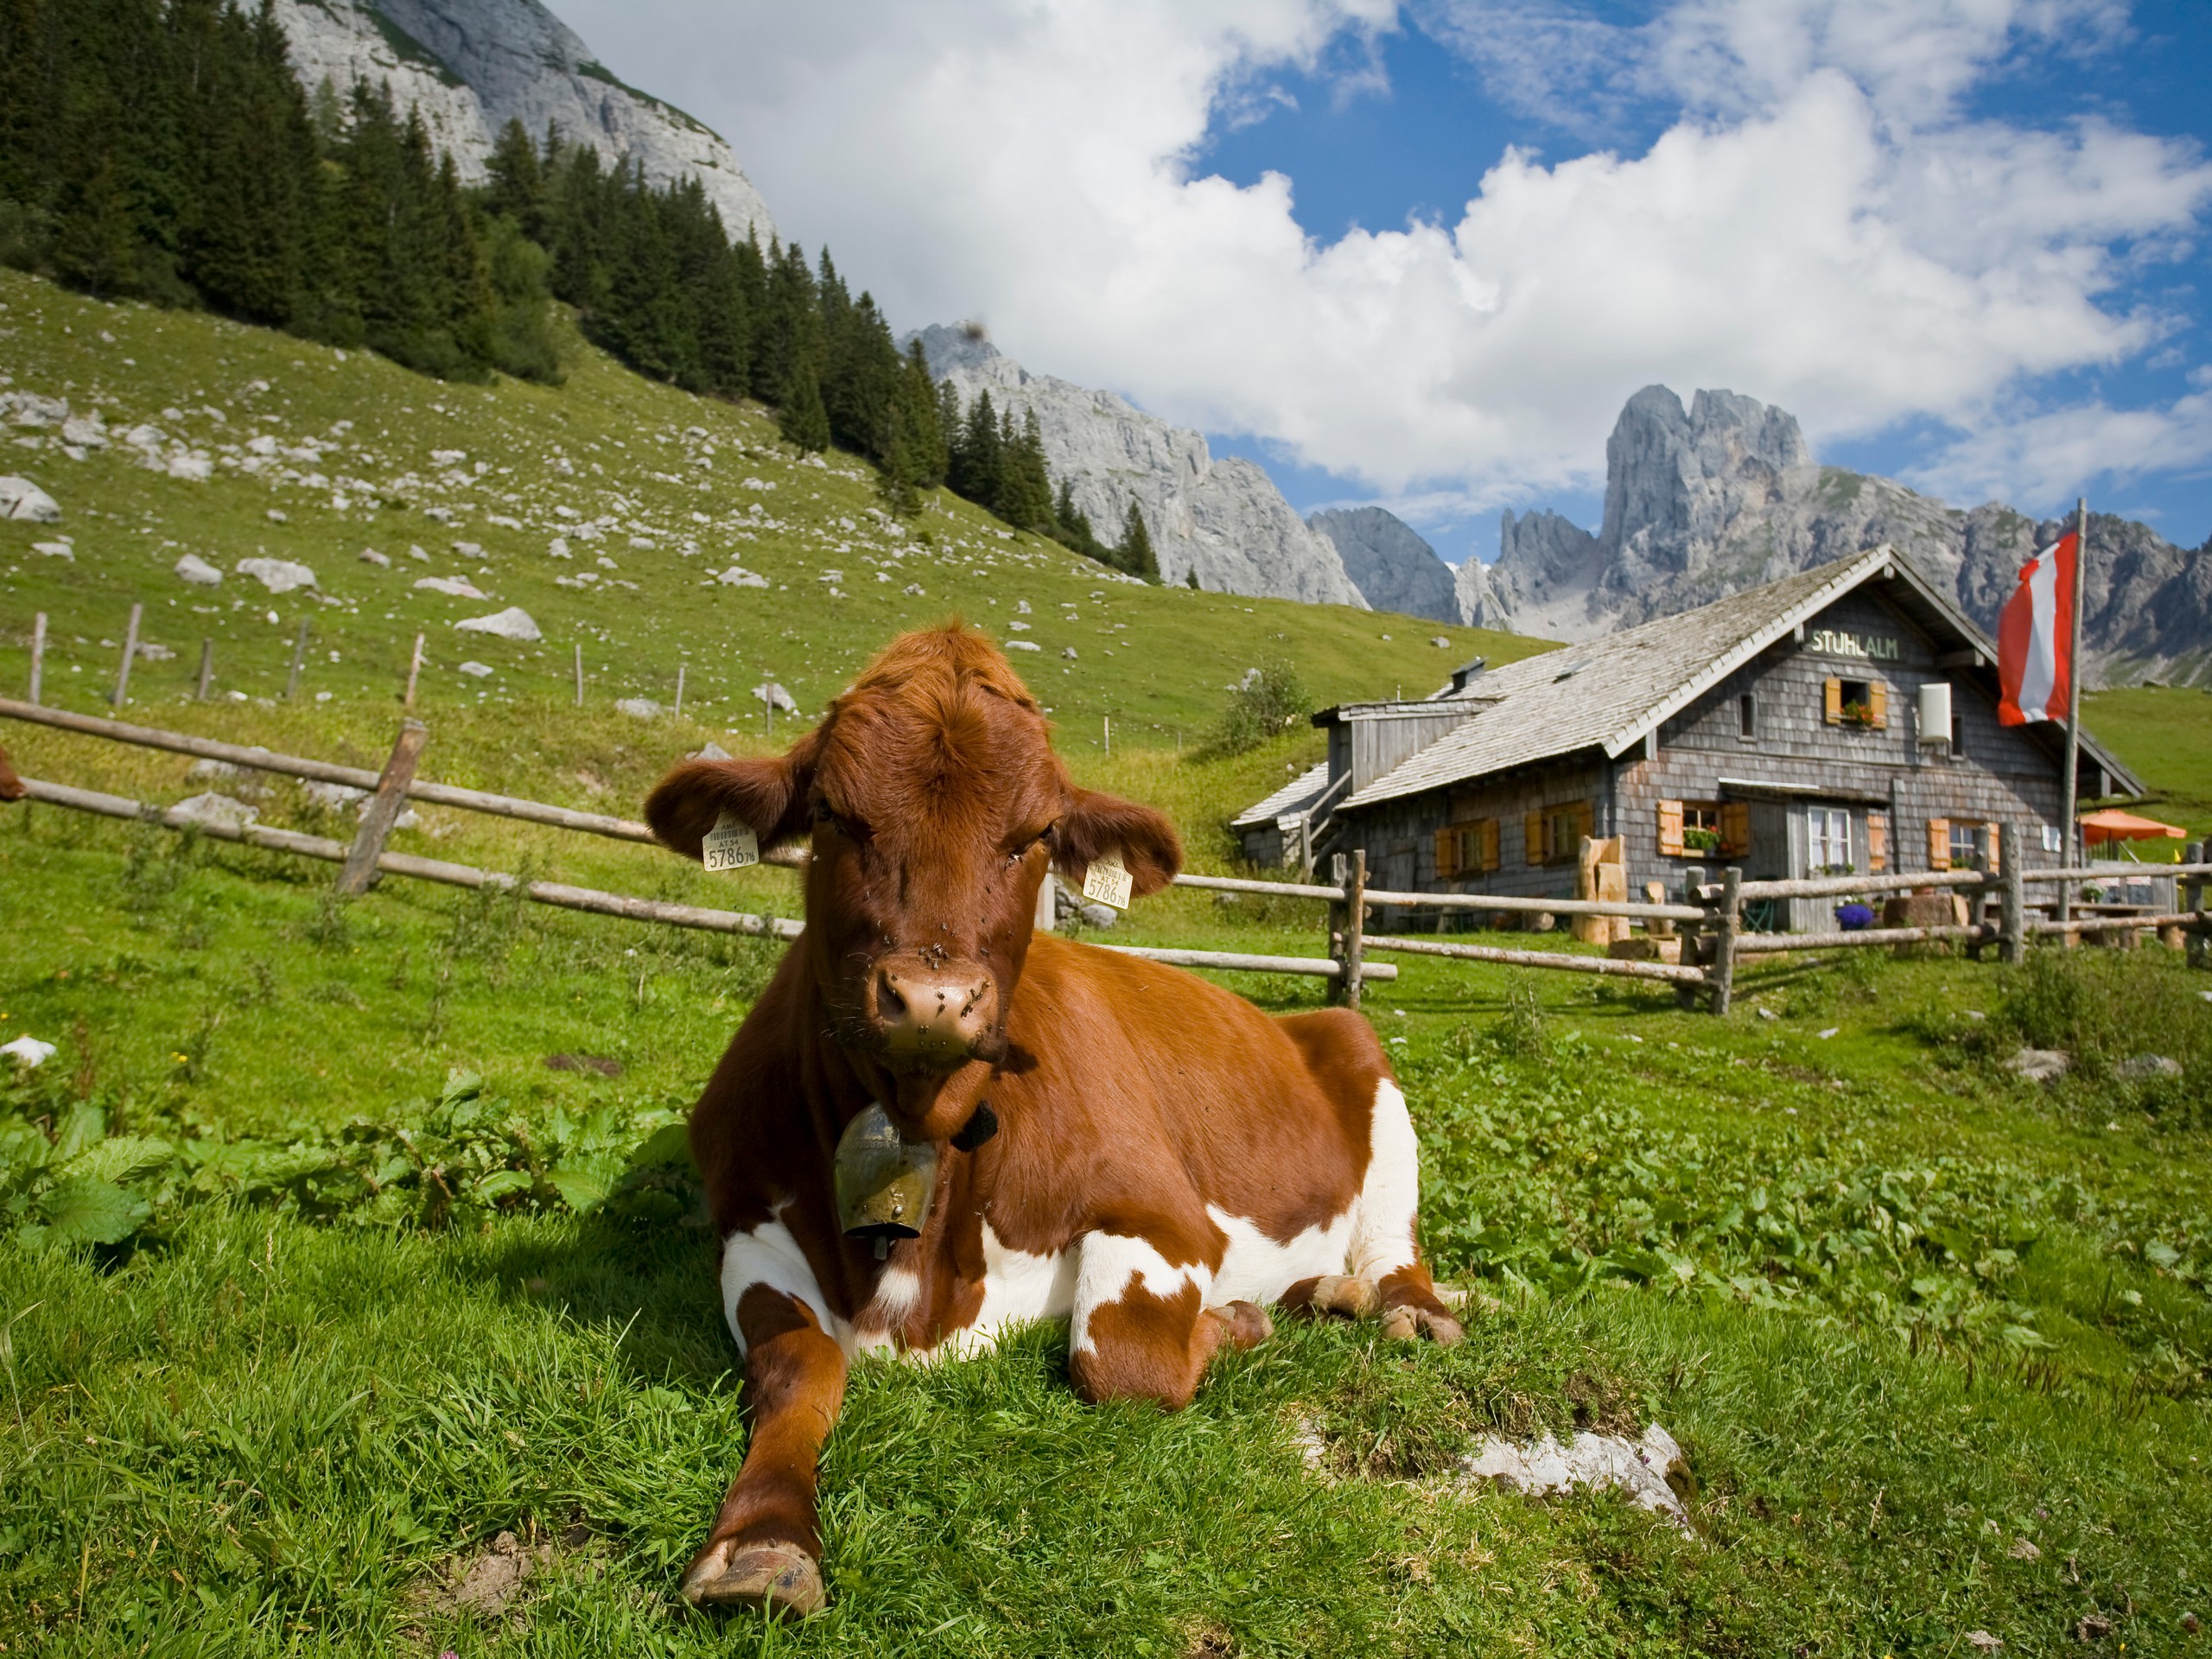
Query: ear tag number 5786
x=730, y=845
x=1106, y=881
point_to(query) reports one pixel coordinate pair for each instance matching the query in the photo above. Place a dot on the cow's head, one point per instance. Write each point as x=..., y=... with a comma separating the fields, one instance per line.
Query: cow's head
x=935, y=807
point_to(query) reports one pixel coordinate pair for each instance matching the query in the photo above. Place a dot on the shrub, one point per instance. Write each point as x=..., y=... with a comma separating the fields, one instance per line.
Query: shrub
x=1268, y=701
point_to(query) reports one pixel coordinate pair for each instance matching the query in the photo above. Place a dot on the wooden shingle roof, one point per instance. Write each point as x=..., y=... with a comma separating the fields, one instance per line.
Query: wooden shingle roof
x=1606, y=695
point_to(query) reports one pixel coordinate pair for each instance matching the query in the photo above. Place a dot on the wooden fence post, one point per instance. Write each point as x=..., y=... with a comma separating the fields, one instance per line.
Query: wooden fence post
x=130, y=650
x=414, y=668
x=299, y=661
x=206, y=670
x=580, y=677
x=38, y=657
x=1721, y=977
x=679, y=690
x=359, y=870
x=2013, y=916
x=1354, y=927
x=2193, y=895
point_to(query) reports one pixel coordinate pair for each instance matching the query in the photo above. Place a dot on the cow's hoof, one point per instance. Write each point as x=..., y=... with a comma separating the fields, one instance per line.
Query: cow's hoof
x=774, y=1578
x=1343, y=1294
x=1404, y=1323
x=1248, y=1324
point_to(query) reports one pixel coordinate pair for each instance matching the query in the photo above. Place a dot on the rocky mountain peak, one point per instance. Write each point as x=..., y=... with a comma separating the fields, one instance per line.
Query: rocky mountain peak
x=1393, y=567
x=1221, y=517
x=469, y=67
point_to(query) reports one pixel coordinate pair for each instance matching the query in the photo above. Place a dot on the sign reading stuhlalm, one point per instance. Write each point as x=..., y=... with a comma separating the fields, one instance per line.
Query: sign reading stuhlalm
x=1864, y=648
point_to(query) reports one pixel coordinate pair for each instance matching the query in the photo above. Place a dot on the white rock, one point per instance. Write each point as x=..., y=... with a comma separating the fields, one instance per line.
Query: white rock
x=211, y=808
x=712, y=751
x=469, y=550
x=1441, y=641
x=913, y=590
x=86, y=431
x=2143, y=1067
x=191, y=468
x=1023, y=645
x=27, y=1051
x=457, y=587
x=776, y=697
x=418, y=555
x=28, y=408
x=1019, y=627
x=1543, y=1468
x=477, y=670
x=558, y=548
x=640, y=708
x=514, y=623
x=1068, y=651
x=22, y=500
x=2040, y=1065
x=332, y=797
x=737, y=577
x=370, y=555
x=278, y=575
x=55, y=551
x=150, y=652
x=278, y=515
x=197, y=571
x=1020, y=608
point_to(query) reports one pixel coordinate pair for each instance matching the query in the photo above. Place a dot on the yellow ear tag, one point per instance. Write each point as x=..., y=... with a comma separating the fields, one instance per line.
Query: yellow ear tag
x=730, y=845
x=1108, y=881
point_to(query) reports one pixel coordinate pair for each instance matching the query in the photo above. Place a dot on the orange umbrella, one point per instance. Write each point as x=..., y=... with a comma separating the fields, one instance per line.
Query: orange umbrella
x=2111, y=824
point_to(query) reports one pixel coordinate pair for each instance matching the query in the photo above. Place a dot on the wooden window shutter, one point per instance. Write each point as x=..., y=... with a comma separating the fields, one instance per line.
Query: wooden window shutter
x=1447, y=853
x=1487, y=832
x=1877, y=694
x=1939, y=843
x=1586, y=820
x=1878, y=841
x=1735, y=828
x=1532, y=832
x=1996, y=857
x=1832, y=702
x=1670, y=829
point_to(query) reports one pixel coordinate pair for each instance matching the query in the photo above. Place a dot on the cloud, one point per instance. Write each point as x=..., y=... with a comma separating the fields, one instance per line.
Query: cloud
x=2042, y=462
x=1816, y=224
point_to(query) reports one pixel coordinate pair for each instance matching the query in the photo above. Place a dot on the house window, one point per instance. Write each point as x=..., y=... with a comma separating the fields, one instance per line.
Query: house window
x=1958, y=735
x=1704, y=829
x=1963, y=836
x=1466, y=848
x=1863, y=703
x=1747, y=715
x=1828, y=845
x=1555, y=832
x=2054, y=839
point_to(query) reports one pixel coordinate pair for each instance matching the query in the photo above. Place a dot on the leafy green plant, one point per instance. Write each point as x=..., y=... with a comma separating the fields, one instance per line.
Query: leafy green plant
x=1267, y=702
x=78, y=1187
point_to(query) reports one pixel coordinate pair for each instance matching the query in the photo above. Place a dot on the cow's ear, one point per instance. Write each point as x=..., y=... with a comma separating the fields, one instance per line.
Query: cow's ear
x=1094, y=825
x=770, y=795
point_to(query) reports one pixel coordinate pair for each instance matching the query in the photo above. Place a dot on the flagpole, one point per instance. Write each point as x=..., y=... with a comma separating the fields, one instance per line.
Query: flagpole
x=2073, y=780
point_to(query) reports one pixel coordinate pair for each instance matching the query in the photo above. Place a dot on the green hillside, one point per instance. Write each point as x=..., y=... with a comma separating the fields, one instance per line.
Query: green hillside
x=654, y=492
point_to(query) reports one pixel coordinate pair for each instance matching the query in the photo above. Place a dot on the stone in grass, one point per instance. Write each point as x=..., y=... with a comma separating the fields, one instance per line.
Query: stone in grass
x=454, y=586
x=1543, y=1467
x=370, y=555
x=27, y=1051
x=640, y=708
x=713, y=751
x=278, y=575
x=2040, y=1065
x=1441, y=641
x=1068, y=651
x=22, y=500
x=212, y=808
x=60, y=549
x=197, y=571
x=1098, y=915
x=737, y=577
x=776, y=697
x=1023, y=645
x=477, y=670
x=2143, y=1067
x=514, y=623
x=1983, y=1641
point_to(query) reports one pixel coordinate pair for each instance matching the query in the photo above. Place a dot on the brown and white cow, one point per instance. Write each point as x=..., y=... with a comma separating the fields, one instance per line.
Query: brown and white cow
x=1165, y=1156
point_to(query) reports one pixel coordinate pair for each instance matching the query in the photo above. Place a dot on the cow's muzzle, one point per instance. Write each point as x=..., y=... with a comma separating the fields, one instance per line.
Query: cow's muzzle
x=928, y=1015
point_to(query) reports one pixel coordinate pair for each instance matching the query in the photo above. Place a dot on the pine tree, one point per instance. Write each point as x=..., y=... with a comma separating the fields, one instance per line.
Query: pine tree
x=1133, y=554
x=515, y=184
x=1024, y=493
x=975, y=458
x=802, y=419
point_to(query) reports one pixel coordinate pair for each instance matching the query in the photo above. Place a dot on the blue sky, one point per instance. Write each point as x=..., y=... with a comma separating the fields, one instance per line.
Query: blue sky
x=1420, y=252
x=1412, y=143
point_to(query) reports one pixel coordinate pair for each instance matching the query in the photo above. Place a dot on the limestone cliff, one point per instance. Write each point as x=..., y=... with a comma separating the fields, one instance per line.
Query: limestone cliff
x=1222, y=517
x=1387, y=560
x=1706, y=501
x=472, y=66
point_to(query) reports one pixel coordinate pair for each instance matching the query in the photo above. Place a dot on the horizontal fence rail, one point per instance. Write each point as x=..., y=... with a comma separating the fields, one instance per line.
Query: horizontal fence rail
x=1711, y=939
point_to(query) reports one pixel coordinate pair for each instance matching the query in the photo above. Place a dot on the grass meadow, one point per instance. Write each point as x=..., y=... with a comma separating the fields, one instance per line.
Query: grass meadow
x=338, y=1239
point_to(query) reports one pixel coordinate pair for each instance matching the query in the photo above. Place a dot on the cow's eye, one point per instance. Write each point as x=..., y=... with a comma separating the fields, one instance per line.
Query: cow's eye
x=851, y=828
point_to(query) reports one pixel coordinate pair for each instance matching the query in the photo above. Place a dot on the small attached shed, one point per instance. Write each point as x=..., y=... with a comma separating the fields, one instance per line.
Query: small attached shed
x=1839, y=721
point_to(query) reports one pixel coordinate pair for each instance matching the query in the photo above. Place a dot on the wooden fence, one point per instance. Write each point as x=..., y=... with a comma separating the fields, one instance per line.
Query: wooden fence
x=1709, y=922
x=366, y=857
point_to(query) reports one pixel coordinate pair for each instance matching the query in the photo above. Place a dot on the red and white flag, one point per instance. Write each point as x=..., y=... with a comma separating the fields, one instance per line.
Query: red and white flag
x=2034, y=638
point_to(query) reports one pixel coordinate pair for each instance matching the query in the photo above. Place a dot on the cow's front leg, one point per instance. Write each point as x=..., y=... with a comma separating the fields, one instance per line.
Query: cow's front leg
x=1141, y=1329
x=766, y=1548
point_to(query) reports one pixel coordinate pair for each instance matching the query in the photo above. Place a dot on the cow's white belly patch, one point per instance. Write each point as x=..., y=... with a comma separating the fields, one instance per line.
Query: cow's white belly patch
x=1258, y=1269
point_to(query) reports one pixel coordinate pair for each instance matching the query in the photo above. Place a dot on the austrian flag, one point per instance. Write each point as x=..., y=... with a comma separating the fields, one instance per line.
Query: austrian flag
x=2034, y=638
